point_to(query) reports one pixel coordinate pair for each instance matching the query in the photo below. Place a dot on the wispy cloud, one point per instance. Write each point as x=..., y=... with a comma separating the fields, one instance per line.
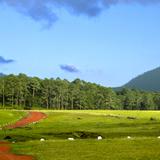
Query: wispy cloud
x=69, y=68
x=42, y=10
x=5, y=61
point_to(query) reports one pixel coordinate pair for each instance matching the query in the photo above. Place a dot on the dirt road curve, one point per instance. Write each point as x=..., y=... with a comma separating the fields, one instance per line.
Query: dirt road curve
x=32, y=117
x=6, y=155
x=5, y=149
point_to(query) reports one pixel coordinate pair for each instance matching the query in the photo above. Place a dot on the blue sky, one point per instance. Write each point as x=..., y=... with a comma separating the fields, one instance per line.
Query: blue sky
x=110, y=48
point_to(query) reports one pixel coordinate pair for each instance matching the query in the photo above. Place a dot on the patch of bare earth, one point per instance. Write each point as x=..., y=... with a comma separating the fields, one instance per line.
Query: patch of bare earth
x=5, y=149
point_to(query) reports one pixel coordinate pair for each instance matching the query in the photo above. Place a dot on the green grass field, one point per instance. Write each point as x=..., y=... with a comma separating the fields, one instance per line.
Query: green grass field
x=85, y=126
x=7, y=117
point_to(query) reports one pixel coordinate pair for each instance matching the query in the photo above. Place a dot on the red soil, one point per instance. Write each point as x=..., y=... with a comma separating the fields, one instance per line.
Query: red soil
x=5, y=147
x=32, y=117
x=6, y=155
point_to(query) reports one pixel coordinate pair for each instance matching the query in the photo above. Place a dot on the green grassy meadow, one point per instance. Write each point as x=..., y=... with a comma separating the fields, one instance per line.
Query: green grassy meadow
x=9, y=117
x=114, y=126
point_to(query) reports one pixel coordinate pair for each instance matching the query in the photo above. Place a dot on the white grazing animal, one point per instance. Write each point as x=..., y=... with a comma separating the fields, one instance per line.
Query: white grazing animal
x=129, y=137
x=71, y=139
x=99, y=137
x=158, y=137
x=42, y=139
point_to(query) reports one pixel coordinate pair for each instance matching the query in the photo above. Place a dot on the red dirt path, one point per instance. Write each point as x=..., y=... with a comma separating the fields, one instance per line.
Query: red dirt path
x=5, y=149
x=30, y=118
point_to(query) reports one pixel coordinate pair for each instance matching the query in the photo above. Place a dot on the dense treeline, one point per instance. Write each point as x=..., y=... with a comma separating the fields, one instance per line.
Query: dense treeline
x=29, y=92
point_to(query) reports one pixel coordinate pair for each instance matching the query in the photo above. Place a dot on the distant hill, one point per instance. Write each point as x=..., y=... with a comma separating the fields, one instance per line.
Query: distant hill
x=149, y=81
x=2, y=75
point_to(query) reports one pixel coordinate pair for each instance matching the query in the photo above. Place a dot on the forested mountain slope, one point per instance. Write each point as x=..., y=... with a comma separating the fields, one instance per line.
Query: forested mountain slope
x=149, y=81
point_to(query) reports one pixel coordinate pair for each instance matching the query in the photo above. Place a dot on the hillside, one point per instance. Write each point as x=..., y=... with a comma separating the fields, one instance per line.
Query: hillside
x=2, y=75
x=149, y=81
